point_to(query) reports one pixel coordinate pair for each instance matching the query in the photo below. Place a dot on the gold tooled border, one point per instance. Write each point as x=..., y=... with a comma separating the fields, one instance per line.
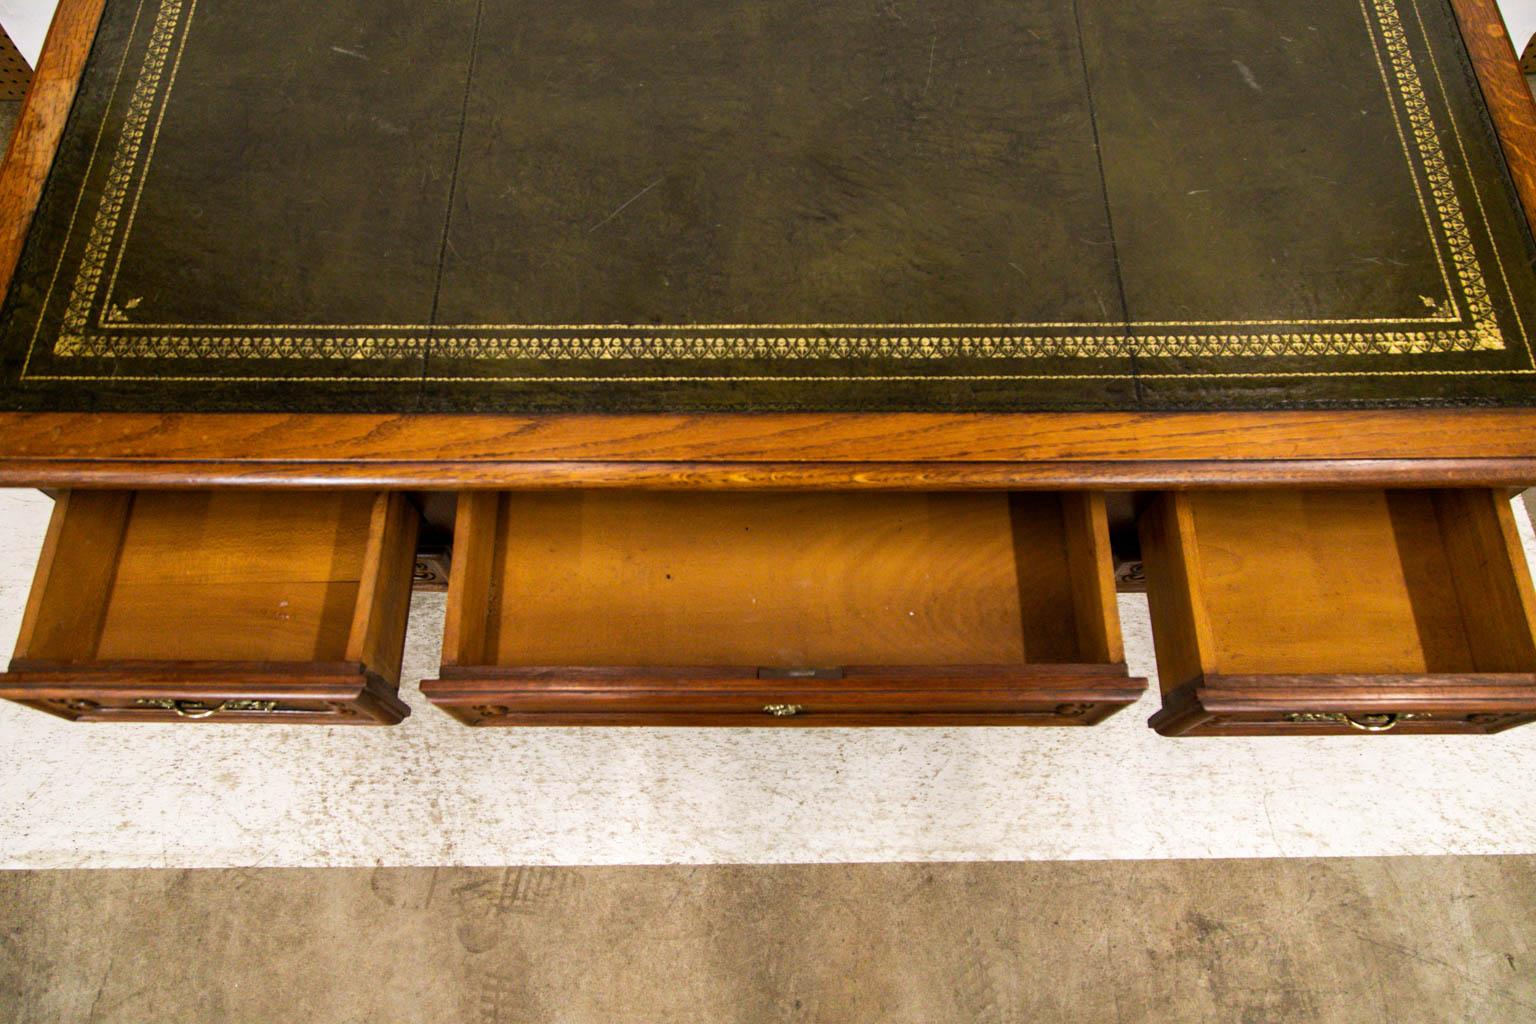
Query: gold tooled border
x=1476, y=329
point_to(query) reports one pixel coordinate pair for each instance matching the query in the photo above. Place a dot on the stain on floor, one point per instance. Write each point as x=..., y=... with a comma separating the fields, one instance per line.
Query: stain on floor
x=1370, y=940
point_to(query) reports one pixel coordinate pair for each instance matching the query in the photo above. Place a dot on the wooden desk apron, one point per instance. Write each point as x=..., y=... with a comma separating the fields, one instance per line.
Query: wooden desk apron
x=1053, y=242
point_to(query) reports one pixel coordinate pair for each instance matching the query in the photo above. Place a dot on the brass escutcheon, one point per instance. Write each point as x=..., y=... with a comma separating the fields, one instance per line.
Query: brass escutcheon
x=783, y=710
x=198, y=709
x=1381, y=722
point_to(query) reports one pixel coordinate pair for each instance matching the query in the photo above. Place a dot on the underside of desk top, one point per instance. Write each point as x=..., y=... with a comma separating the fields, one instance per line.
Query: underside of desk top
x=1000, y=232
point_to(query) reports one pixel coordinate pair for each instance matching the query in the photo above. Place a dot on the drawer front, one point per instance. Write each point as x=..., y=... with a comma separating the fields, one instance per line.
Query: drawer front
x=1343, y=723
x=1349, y=706
x=222, y=712
x=852, y=697
x=210, y=693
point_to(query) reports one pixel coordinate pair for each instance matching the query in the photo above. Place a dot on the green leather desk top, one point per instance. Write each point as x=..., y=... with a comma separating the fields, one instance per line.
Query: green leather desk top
x=739, y=205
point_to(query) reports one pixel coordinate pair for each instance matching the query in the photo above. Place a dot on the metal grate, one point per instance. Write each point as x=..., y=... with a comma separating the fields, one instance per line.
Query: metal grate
x=15, y=74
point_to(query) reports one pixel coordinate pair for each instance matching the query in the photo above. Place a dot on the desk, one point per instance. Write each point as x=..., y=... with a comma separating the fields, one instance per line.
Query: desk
x=1000, y=258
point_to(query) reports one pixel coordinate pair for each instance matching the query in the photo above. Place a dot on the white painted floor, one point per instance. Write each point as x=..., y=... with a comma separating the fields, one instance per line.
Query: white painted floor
x=432, y=792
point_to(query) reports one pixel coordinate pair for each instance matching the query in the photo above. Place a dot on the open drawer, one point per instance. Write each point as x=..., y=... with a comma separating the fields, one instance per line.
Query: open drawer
x=622, y=608
x=228, y=606
x=1339, y=612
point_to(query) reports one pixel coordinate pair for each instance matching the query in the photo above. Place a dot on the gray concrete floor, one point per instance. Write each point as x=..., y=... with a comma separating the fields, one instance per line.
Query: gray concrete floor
x=1385, y=941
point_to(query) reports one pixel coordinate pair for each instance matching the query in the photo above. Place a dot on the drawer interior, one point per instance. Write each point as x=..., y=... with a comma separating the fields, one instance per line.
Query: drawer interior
x=1339, y=582
x=1340, y=600
x=152, y=601
x=208, y=576
x=627, y=608
x=787, y=581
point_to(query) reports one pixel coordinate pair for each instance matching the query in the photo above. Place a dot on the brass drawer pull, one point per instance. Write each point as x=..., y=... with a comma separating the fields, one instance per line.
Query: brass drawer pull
x=1364, y=723
x=198, y=709
x=783, y=710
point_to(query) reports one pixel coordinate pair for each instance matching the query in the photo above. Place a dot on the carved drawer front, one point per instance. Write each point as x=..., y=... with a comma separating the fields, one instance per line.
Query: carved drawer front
x=612, y=608
x=179, y=606
x=1339, y=613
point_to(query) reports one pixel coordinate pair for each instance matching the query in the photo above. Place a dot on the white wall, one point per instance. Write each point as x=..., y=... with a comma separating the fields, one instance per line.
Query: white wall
x=1520, y=16
x=26, y=22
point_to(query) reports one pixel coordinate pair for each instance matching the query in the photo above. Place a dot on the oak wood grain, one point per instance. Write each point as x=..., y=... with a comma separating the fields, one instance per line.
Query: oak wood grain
x=239, y=576
x=1091, y=568
x=293, y=621
x=1491, y=580
x=457, y=477
x=903, y=438
x=75, y=569
x=245, y=537
x=469, y=579
x=1505, y=91
x=910, y=451
x=1181, y=625
x=783, y=580
x=1308, y=582
x=377, y=633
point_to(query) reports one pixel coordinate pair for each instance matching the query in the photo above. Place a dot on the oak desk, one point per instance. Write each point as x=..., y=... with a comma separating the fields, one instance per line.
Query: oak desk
x=934, y=280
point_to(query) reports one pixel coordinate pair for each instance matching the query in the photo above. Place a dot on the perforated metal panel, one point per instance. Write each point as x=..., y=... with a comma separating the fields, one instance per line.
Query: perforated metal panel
x=15, y=74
